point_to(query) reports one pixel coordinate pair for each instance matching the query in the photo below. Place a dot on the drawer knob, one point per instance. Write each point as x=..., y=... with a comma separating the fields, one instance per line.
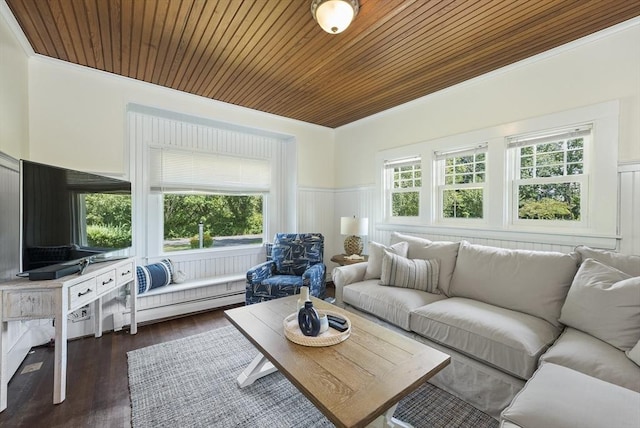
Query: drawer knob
x=86, y=292
x=125, y=273
x=106, y=282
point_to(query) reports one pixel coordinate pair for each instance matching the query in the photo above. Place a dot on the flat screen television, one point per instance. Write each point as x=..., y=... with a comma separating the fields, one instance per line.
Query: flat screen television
x=69, y=216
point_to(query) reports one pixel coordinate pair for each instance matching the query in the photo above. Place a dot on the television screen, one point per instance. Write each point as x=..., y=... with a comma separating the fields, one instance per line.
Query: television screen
x=69, y=215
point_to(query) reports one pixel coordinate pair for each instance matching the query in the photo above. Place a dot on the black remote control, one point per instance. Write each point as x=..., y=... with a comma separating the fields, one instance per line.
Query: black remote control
x=337, y=326
x=337, y=319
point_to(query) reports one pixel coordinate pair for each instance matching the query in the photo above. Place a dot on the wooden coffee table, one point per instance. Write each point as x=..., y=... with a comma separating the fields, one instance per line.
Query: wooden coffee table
x=355, y=383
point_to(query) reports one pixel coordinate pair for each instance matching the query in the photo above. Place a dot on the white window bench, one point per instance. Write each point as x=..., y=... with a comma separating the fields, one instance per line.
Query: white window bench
x=194, y=295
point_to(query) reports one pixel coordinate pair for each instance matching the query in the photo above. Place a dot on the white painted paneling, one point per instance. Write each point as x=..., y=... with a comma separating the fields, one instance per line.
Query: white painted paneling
x=359, y=202
x=21, y=335
x=362, y=202
x=630, y=208
x=316, y=213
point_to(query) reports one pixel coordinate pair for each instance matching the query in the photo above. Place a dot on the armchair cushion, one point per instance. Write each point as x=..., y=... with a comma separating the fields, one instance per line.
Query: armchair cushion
x=295, y=260
x=293, y=253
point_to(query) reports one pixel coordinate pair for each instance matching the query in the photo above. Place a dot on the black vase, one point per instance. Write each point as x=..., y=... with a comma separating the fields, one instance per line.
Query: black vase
x=308, y=320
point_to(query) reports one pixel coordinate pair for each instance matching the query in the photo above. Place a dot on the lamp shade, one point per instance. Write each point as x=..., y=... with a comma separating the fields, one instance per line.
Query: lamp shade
x=334, y=16
x=354, y=226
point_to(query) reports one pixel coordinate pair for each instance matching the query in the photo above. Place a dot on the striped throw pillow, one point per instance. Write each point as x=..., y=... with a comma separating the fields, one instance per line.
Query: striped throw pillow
x=418, y=274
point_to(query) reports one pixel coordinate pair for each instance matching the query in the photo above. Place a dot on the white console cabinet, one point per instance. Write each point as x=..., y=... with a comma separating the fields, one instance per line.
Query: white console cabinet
x=22, y=299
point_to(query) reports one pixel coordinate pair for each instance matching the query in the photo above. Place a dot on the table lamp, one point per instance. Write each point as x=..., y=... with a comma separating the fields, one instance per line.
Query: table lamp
x=354, y=228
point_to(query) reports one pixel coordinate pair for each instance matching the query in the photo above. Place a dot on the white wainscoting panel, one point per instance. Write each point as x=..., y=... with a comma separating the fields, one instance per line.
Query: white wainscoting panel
x=629, y=201
x=316, y=209
x=21, y=335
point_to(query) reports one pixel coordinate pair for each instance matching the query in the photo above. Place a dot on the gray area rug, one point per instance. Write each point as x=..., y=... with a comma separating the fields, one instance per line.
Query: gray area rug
x=191, y=382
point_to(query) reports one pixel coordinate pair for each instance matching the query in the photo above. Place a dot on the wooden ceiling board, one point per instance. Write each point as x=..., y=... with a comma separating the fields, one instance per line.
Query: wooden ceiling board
x=273, y=57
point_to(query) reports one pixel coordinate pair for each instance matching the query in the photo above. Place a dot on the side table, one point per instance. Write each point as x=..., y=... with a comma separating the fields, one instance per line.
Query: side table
x=342, y=260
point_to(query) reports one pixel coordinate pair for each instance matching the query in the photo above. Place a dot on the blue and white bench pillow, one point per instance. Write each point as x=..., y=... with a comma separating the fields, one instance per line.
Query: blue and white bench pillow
x=154, y=275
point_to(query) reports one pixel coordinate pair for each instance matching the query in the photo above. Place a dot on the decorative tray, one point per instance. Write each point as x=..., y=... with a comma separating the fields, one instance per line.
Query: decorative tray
x=328, y=338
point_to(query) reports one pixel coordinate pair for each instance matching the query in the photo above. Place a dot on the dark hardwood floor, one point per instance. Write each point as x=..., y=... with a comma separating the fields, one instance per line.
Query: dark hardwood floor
x=97, y=382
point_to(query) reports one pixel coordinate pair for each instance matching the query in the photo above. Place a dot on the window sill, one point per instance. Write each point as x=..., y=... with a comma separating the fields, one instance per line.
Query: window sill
x=573, y=239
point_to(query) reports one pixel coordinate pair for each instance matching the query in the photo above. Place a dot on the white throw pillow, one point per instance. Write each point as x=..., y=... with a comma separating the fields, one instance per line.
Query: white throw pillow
x=634, y=353
x=605, y=303
x=376, y=251
x=626, y=263
x=418, y=274
x=444, y=252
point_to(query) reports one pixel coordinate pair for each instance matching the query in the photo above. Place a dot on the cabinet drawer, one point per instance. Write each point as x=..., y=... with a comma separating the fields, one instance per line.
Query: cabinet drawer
x=106, y=282
x=125, y=273
x=19, y=305
x=82, y=293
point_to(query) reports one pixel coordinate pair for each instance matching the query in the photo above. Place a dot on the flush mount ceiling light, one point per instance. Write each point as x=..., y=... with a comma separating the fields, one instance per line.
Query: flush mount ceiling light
x=334, y=16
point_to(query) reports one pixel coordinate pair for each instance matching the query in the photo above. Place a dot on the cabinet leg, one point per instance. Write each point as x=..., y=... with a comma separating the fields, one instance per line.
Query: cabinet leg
x=3, y=360
x=60, y=363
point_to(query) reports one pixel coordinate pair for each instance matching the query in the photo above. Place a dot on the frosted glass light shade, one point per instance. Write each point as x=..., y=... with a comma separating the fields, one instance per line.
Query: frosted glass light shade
x=334, y=16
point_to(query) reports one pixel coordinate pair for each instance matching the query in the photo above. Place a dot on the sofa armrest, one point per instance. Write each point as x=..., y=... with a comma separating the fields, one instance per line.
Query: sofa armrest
x=345, y=275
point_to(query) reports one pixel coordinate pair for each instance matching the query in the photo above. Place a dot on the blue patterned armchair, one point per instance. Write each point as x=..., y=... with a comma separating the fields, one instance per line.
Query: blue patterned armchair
x=296, y=259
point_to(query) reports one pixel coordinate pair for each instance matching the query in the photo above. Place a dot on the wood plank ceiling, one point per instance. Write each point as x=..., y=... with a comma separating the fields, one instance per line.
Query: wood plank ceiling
x=273, y=57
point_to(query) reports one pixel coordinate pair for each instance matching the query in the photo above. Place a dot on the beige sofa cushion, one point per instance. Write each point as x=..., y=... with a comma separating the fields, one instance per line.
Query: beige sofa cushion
x=376, y=252
x=558, y=397
x=533, y=282
x=584, y=353
x=391, y=304
x=605, y=303
x=511, y=341
x=442, y=251
x=626, y=263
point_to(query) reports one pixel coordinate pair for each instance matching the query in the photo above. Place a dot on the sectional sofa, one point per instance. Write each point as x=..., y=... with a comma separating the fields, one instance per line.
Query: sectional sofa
x=536, y=338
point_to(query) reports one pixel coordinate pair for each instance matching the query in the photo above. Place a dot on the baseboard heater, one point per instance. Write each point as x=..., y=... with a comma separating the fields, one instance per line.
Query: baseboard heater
x=172, y=309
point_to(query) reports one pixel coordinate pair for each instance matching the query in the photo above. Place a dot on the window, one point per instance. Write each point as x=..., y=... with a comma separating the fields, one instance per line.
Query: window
x=462, y=178
x=403, y=183
x=209, y=200
x=550, y=177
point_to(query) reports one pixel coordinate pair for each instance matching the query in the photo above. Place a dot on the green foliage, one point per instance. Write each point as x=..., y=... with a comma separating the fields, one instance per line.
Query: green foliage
x=405, y=204
x=207, y=241
x=104, y=209
x=554, y=201
x=221, y=215
x=545, y=209
x=462, y=203
x=102, y=236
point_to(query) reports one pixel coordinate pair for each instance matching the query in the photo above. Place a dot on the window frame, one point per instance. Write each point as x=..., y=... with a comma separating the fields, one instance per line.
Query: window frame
x=515, y=143
x=600, y=228
x=440, y=185
x=388, y=189
x=155, y=127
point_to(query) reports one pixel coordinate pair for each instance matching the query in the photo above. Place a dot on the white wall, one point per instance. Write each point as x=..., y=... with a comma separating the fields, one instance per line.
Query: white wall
x=77, y=119
x=14, y=120
x=599, y=68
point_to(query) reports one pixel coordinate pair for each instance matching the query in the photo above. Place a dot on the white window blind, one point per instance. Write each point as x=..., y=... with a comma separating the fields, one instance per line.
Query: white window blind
x=186, y=170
